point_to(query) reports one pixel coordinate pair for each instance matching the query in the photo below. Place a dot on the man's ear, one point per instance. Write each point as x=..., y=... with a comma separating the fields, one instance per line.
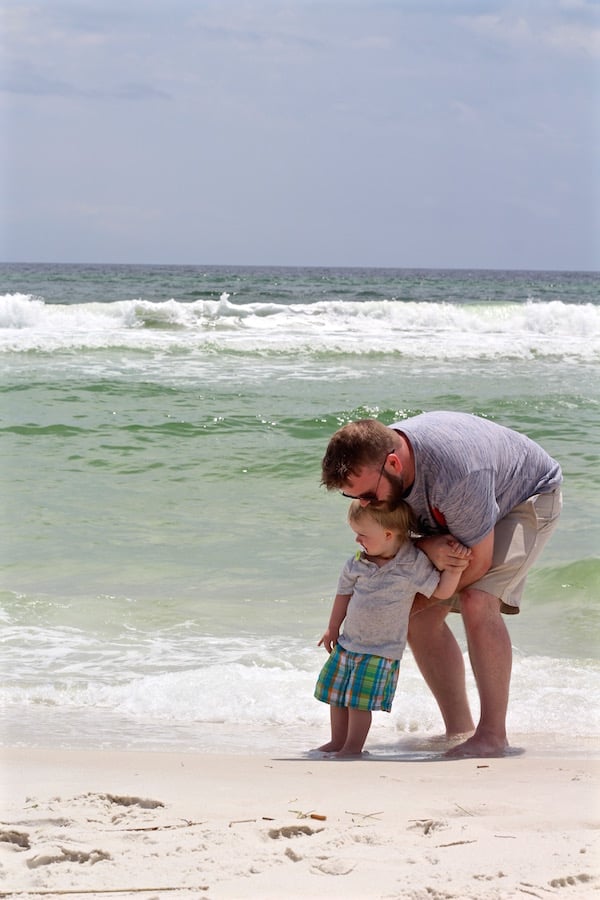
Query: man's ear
x=394, y=461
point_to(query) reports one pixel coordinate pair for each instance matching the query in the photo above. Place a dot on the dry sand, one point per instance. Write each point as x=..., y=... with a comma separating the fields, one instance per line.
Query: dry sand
x=135, y=826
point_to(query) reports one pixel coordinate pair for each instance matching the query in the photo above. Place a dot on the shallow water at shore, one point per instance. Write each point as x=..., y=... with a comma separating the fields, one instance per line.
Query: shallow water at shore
x=169, y=556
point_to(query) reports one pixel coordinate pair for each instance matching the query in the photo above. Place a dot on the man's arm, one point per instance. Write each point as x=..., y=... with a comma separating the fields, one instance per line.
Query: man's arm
x=439, y=549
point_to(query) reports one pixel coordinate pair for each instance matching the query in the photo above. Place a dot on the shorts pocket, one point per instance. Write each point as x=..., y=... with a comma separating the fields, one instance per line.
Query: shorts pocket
x=547, y=508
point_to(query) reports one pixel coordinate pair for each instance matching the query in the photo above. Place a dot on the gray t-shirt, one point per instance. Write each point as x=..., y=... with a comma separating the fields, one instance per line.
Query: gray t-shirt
x=470, y=472
x=377, y=616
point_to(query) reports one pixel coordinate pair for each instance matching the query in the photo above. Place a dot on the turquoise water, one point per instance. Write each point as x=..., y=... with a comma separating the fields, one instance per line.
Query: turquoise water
x=168, y=554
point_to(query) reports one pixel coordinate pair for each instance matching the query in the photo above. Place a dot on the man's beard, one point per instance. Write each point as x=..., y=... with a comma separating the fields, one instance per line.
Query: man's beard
x=397, y=492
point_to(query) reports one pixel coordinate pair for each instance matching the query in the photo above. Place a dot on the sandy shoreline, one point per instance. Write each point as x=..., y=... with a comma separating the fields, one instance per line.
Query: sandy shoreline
x=181, y=825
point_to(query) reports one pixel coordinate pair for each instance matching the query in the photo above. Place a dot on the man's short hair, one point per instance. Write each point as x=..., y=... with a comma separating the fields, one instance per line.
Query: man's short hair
x=356, y=445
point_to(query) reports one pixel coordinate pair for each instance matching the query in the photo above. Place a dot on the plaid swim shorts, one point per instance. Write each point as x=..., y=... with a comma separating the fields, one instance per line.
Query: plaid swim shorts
x=357, y=680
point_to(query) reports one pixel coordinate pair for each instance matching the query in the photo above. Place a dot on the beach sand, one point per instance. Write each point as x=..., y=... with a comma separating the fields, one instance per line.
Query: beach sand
x=181, y=825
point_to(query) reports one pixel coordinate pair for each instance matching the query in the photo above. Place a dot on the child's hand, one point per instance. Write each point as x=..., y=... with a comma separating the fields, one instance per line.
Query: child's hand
x=329, y=639
x=444, y=551
x=459, y=549
x=460, y=555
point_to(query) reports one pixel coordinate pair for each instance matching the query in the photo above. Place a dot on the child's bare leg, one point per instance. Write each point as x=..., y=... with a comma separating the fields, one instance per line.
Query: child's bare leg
x=359, y=722
x=338, y=716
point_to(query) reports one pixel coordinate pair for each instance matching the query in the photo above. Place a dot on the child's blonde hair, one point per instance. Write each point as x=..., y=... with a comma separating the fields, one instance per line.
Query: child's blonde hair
x=398, y=520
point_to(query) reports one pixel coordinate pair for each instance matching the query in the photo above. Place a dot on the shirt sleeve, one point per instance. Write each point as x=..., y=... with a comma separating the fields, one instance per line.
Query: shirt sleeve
x=348, y=577
x=426, y=576
x=470, y=508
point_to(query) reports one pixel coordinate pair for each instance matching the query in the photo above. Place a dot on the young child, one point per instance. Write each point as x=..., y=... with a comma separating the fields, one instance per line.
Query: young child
x=374, y=597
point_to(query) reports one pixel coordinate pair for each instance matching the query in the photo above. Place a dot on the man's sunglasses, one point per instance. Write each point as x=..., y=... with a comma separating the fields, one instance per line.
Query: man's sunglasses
x=370, y=496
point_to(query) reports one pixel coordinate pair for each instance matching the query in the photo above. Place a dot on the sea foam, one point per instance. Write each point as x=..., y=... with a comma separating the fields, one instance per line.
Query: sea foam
x=421, y=329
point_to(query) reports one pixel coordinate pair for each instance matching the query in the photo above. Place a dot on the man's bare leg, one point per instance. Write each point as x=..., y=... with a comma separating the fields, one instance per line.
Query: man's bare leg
x=440, y=661
x=490, y=652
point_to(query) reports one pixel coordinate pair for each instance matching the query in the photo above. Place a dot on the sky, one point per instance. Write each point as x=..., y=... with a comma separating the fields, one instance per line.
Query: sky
x=395, y=133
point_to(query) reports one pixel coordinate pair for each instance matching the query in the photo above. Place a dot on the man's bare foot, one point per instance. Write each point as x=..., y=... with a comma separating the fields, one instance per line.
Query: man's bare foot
x=479, y=747
x=449, y=739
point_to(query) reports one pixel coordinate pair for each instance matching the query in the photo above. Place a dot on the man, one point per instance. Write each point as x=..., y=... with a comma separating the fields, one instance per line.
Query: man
x=494, y=490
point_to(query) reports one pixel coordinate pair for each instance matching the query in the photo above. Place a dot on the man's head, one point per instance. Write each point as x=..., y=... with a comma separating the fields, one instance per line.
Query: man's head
x=362, y=462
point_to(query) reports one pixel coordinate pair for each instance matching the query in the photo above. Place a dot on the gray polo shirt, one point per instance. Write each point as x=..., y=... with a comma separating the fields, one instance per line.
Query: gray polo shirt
x=377, y=617
x=470, y=472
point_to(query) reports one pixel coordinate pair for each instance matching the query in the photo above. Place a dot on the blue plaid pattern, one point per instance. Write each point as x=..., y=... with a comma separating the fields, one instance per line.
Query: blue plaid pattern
x=358, y=680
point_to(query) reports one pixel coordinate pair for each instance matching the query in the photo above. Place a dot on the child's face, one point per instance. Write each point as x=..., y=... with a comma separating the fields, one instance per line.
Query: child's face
x=374, y=539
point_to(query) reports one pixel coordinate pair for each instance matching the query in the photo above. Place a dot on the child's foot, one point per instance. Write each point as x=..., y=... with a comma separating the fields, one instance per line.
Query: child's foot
x=329, y=747
x=350, y=754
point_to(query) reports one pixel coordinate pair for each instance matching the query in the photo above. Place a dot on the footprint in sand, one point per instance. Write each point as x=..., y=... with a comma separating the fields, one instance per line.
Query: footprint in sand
x=19, y=838
x=65, y=855
x=291, y=831
x=570, y=880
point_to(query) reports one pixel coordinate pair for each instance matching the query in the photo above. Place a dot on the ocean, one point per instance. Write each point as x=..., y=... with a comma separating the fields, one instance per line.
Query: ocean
x=169, y=557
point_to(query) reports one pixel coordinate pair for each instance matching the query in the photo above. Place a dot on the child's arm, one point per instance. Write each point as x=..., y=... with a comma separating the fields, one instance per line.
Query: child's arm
x=440, y=549
x=449, y=579
x=450, y=576
x=447, y=584
x=338, y=614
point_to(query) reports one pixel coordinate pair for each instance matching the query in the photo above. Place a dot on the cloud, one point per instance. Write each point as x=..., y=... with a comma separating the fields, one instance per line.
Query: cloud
x=556, y=31
x=572, y=38
x=23, y=79
x=26, y=79
x=329, y=131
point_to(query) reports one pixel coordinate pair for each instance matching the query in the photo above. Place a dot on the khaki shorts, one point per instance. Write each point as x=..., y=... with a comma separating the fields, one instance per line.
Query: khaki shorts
x=519, y=538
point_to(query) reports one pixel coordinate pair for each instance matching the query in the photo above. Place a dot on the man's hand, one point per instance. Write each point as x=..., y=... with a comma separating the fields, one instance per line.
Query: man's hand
x=445, y=552
x=441, y=550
